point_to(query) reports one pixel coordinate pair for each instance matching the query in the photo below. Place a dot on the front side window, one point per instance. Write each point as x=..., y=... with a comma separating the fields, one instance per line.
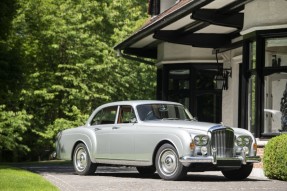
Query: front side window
x=105, y=116
x=162, y=111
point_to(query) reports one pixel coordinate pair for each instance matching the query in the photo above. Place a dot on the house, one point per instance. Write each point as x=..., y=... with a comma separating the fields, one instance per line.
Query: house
x=226, y=60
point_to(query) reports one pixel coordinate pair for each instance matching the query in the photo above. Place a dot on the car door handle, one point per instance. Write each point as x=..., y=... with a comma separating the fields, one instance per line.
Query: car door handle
x=115, y=127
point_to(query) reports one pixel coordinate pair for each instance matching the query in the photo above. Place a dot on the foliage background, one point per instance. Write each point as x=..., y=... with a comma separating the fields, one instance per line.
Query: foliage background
x=57, y=64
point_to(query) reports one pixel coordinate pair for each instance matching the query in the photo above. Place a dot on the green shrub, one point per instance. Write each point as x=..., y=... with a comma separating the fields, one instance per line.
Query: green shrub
x=275, y=158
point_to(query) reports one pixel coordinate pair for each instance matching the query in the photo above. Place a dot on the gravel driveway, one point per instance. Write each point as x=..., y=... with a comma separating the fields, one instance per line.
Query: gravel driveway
x=127, y=178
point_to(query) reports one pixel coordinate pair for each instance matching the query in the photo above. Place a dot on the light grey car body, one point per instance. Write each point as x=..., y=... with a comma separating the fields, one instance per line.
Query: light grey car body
x=136, y=142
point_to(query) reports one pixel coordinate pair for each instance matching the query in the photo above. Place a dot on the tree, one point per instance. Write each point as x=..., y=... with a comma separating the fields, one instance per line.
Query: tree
x=10, y=72
x=68, y=65
x=12, y=127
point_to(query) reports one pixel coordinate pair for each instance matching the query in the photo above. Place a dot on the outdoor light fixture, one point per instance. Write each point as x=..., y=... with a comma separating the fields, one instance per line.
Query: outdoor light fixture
x=221, y=78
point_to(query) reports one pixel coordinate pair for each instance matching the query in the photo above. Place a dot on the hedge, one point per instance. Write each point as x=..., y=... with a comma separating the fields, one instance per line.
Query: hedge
x=275, y=158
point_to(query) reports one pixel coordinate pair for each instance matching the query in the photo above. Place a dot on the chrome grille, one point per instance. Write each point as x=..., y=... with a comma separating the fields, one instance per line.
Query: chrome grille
x=222, y=139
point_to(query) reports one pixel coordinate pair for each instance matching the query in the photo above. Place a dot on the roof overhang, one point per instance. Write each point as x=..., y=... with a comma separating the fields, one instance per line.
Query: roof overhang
x=200, y=23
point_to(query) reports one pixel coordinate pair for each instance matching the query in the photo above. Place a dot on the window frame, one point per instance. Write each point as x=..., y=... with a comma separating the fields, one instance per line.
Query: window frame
x=260, y=71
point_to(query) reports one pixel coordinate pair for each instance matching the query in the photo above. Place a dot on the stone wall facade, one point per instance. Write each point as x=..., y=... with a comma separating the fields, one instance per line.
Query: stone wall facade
x=260, y=152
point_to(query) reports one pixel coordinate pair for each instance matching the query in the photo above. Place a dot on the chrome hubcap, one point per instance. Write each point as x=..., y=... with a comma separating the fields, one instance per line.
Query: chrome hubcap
x=168, y=162
x=81, y=159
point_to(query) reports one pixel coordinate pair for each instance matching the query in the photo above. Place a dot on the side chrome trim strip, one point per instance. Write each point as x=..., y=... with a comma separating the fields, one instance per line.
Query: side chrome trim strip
x=124, y=162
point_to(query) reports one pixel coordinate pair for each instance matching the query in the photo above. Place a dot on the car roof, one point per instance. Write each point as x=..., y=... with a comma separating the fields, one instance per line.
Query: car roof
x=138, y=102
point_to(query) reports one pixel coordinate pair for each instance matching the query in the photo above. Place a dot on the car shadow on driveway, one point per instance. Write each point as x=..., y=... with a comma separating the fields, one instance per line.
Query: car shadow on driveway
x=210, y=176
x=129, y=172
x=193, y=177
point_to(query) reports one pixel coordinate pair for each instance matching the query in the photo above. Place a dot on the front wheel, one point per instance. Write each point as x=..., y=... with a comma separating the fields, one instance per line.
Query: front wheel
x=82, y=162
x=238, y=174
x=167, y=163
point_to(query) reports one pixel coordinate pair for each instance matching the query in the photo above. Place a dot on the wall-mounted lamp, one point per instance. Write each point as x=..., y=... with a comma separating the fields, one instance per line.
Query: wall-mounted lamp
x=221, y=78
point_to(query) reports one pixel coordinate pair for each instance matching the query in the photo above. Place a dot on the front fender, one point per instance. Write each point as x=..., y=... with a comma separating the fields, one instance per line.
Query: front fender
x=149, y=139
x=68, y=139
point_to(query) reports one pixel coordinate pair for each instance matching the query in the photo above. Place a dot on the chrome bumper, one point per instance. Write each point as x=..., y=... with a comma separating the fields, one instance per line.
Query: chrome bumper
x=187, y=160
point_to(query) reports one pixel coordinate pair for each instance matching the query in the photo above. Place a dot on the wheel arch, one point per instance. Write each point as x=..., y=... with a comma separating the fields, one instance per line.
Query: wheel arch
x=75, y=145
x=158, y=146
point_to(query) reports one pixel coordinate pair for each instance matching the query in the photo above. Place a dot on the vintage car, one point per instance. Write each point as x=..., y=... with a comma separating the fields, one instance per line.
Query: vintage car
x=157, y=136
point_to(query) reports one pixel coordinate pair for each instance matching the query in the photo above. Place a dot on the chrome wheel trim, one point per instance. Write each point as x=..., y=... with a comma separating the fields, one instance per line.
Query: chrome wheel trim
x=80, y=159
x=168, y=162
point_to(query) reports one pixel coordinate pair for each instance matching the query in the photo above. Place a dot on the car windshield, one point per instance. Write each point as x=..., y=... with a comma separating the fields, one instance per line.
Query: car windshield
x=163, y=111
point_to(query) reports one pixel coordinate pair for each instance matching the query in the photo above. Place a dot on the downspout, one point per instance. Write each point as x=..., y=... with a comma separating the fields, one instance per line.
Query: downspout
x=120, y=54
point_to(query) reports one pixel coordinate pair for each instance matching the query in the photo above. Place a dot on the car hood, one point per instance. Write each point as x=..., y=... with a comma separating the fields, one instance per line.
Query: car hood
x=189, y=125
x=192, y=126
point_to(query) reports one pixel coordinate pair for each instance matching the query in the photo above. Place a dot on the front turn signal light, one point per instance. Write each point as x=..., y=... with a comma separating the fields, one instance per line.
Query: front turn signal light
x=255, y=147
x=192, y=145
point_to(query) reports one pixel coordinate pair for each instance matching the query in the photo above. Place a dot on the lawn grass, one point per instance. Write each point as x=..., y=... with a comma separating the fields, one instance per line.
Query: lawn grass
x=12, y=178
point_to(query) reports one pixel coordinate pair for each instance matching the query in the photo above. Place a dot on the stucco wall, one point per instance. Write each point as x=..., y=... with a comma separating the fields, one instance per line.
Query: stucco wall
x=182, y=53
x=263, y=13
x=231, y=59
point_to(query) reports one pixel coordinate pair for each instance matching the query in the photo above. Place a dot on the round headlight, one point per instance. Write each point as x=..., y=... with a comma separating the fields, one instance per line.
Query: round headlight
x=239, y=141
x=243, y=141
x=246, y=140
x=201, y=140
x=204, y=140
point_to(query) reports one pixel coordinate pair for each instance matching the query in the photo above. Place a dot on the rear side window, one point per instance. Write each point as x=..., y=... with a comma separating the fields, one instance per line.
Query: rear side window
x=105, y=116
x=126, y=115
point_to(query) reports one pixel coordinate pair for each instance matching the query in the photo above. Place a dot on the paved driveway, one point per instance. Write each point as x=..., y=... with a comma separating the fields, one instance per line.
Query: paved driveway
x=126, y=178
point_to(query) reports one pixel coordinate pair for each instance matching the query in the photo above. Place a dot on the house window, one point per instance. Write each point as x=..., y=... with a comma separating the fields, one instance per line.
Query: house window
x=252, y=87
x=153, y=7
x=156, y=7
x=265, y=83
x=251, y=103
x=275, y=81
x=193, y=85
x=274, y=88
x=276, y=52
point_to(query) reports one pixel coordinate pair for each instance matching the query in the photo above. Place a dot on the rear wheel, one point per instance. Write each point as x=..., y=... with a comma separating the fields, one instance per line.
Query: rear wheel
x=238, y=174
x=146, y=170
x=82, y=162
x=168, y=165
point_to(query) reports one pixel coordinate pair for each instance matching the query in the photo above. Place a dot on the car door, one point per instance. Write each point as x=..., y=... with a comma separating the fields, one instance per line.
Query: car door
x=122, y=135
x=103, y=123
